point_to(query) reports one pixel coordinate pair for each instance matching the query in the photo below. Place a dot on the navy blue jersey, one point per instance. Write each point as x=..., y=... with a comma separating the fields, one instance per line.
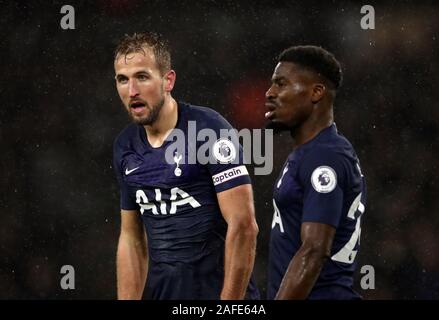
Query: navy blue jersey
x=178, y=203
x=322, y=182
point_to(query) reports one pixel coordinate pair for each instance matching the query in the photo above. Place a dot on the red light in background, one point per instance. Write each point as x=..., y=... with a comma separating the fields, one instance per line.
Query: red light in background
x=245, y=102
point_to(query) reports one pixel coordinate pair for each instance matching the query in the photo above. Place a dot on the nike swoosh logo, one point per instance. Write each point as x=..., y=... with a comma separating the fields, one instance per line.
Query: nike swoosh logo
x=127, y=172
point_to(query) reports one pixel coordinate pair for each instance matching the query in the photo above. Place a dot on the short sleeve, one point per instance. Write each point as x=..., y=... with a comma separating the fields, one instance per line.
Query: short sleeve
x=127, y=201
x=226, y=159
x=322, y=173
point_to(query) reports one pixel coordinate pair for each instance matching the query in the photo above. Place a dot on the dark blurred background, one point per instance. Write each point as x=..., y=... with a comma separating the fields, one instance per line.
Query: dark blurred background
x=60, y=114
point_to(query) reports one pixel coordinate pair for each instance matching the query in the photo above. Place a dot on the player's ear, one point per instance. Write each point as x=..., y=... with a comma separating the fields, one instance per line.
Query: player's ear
x=169, y=78
x=318, y=91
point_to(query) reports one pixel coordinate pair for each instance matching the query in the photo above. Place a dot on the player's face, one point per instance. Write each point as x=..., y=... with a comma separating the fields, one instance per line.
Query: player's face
x=140, y=85
x=288, y=100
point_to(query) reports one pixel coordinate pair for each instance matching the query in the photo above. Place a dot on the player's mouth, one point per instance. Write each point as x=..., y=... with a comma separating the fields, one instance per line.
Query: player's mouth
x=137, y=106
x=271, y=109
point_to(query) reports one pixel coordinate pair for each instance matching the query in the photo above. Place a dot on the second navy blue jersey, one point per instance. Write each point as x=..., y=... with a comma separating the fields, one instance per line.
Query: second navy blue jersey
x=178, y=202
x=322, y=182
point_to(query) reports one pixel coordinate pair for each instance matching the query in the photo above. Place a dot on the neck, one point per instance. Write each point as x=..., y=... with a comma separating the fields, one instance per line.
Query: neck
x=166, y=121
x=311, y=127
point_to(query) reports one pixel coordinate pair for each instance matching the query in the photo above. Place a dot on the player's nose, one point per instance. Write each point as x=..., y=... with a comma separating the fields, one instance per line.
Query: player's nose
x=133, y=88
x=270, y=94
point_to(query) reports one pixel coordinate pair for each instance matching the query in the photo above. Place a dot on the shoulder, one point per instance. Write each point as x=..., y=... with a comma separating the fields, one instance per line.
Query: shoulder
x=125, y=137
x=326, y=161
x=331, y=147
x=194, y=111
x=322, y=153
x=330, y=158
x=205, y=117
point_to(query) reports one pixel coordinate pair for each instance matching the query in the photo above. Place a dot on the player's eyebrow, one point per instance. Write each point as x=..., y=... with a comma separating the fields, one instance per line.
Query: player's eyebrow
x=277, y=79
x=141, y=72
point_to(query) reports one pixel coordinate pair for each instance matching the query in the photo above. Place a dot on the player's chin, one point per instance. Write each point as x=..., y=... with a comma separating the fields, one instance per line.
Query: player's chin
x=277, y=126
x=142, y=120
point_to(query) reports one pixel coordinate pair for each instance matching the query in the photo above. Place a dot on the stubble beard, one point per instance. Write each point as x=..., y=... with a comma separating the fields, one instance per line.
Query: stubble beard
x=152, y=116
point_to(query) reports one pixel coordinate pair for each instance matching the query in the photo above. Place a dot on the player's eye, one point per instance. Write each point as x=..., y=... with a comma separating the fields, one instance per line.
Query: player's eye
x=279, y=83
x=142, y=77
x=122, y=80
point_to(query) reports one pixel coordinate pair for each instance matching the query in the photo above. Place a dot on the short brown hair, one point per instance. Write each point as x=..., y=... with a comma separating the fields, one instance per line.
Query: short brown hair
x=138, y=41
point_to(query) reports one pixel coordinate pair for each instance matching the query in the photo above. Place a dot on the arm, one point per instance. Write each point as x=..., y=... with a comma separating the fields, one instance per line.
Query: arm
x=305, y=267
x=237, y=208
x=132, y=257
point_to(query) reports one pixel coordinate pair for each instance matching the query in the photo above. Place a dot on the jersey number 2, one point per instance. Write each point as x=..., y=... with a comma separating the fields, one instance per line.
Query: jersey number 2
x=347, y=253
